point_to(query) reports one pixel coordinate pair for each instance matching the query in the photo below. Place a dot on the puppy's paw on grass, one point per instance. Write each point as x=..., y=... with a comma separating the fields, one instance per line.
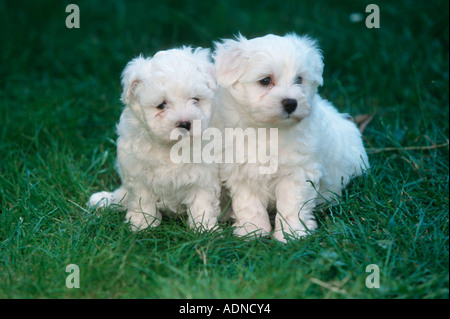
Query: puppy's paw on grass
x=100, y=200
x=294, y=230
x=251, y=230
x=139, y=220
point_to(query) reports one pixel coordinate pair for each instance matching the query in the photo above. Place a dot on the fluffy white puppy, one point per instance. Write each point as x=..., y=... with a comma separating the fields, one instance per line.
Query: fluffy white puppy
x=271, y=82
x=163, y=95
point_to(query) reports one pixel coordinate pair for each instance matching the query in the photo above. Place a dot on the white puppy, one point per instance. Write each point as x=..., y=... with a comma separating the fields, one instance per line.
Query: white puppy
x=271, y=82
x=164, y=95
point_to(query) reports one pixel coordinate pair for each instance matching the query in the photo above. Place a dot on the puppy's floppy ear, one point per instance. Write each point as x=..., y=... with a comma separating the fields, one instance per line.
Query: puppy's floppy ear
x=231, y=60
x=210, y=71
x=316, y=62
x=313, y=56
x=132, y=76
x=207, y=67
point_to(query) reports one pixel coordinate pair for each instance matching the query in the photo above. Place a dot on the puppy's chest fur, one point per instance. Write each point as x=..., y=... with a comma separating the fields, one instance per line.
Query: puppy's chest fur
x=170, y=184
x=292, y=155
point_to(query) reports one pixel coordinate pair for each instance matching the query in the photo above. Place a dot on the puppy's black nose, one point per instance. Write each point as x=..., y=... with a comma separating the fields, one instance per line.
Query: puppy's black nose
x=289, y=105
x=184, y=124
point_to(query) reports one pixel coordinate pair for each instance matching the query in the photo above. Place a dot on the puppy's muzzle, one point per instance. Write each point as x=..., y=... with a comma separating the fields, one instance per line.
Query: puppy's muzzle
x=289, y=105
x=184, y=124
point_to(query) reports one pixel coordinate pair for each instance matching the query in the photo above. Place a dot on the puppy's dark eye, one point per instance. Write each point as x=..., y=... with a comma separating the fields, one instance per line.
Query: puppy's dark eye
x=162, y=106
x=196, y=100
x=266, y=81
x=299, y=80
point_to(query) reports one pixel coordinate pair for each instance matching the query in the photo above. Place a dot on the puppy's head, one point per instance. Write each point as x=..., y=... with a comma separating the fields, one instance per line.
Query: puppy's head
x=273, y=78
x=171, y=90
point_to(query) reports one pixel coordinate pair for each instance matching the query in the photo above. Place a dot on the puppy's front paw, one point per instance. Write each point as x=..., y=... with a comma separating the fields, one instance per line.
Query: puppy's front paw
x=282, y=236
x=100, y=200
x=205, y=221
x=139, y=220
x=248, y=228
x=293, y=230
x=203, y=226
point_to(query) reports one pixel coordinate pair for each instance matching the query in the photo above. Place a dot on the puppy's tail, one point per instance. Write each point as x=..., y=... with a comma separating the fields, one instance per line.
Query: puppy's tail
x=102, y=200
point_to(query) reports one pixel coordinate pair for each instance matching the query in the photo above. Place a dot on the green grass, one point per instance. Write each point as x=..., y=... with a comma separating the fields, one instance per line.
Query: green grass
x=59, y=102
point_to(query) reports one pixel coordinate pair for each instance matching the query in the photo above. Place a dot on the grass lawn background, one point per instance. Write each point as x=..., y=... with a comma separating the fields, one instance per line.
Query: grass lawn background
x=59, y=103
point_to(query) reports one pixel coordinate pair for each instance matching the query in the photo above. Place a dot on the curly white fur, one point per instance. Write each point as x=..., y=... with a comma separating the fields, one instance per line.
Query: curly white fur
x=173, y=87
x=319, y=150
